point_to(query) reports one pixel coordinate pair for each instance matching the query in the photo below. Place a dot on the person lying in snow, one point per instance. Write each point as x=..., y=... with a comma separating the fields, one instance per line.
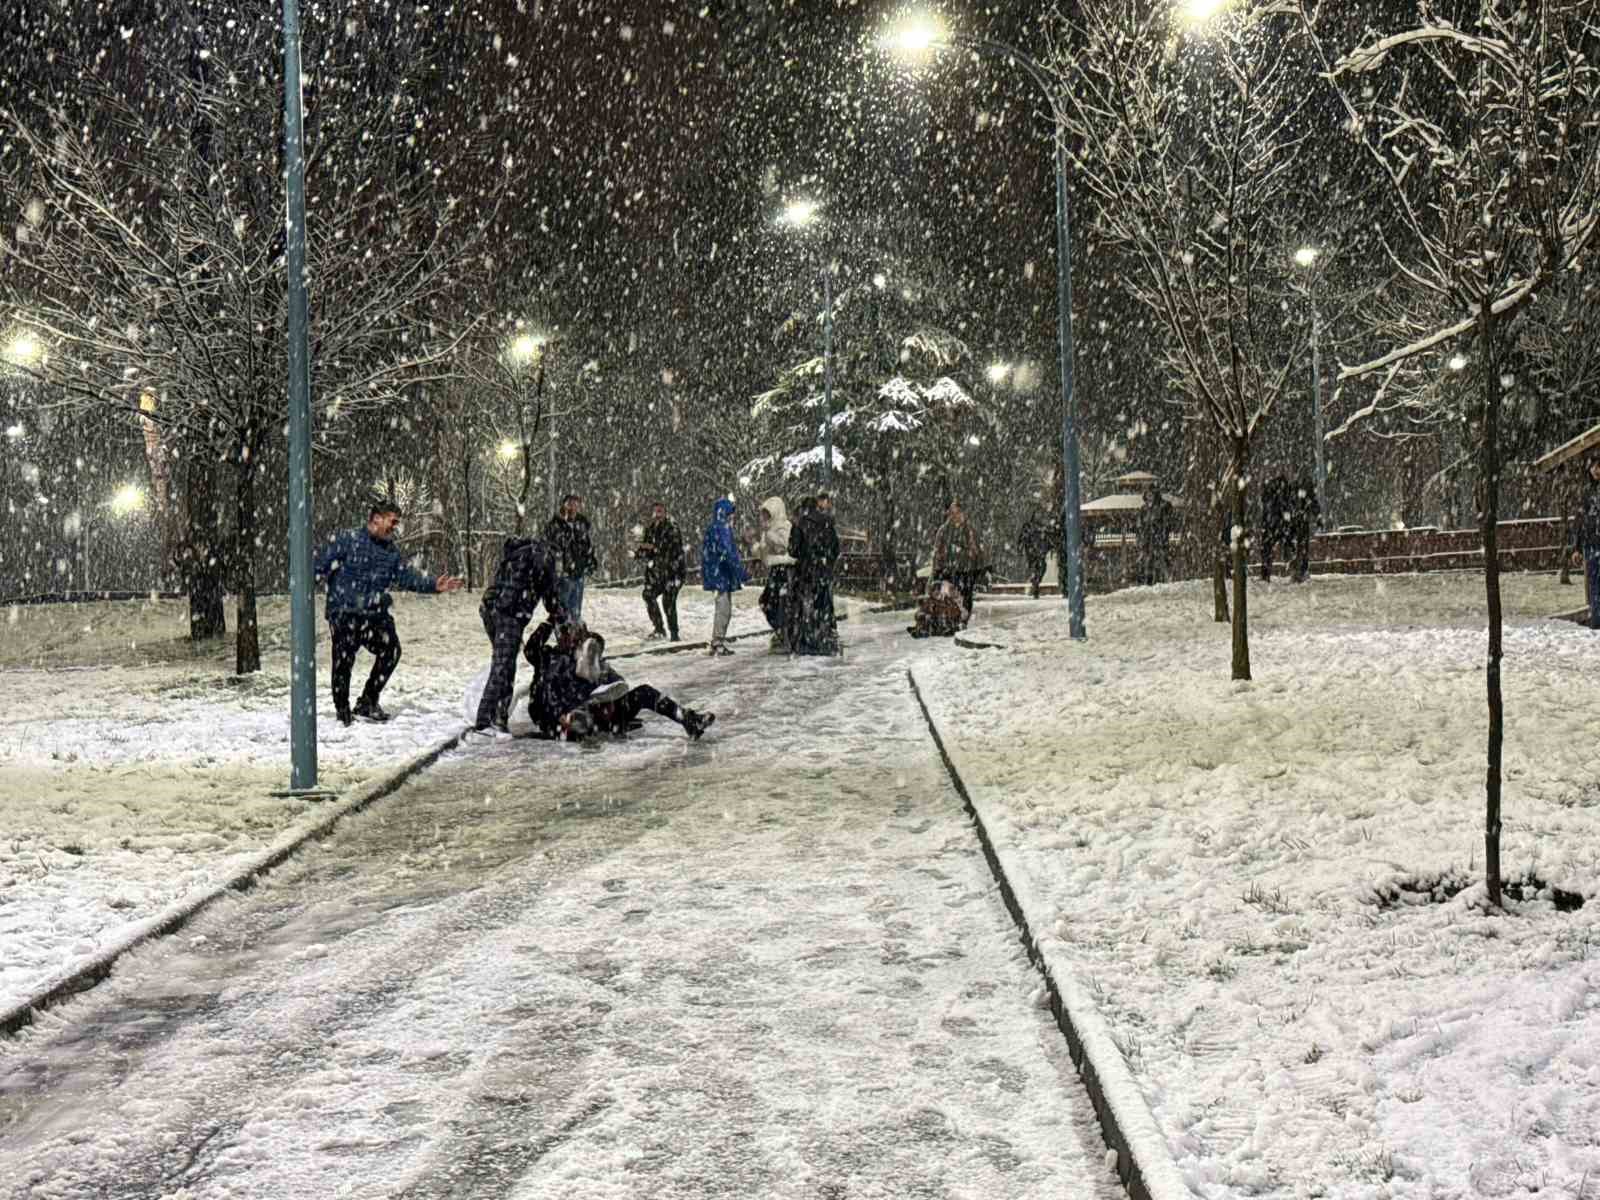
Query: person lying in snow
x=941, y=613
x=577, y=694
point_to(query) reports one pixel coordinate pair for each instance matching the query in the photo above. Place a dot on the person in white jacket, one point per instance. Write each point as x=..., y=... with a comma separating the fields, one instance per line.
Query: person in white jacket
x=772, y=549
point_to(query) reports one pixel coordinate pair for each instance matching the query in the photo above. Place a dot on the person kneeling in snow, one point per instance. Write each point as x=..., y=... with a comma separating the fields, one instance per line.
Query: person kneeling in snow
x=577, y=694
x=941, y=613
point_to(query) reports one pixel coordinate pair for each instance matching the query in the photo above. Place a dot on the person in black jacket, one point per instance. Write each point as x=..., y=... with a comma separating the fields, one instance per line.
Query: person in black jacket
x=567, y=534
x=1276, y=514
x=578, y=694
x=525, y=578
x=662, y=555
x=814, y=546
x=1303, y=517
x=1586, y=538
x=1035, y=540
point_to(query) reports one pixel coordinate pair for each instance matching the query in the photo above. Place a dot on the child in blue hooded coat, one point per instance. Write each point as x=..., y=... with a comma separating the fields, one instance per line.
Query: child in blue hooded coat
x=721, y=571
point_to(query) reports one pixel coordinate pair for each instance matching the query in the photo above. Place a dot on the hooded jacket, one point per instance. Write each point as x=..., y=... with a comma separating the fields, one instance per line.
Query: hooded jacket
x=772, y=547
x=720, y=567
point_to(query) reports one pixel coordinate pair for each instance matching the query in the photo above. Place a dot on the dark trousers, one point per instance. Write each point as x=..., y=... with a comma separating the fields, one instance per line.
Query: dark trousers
x=1036, y=568
x=1302, y=559
x=352, y=632
x=1267, y=546
x=1591, y=580
x=967, y=581
x=669, y=601
x=505, y=635
x=617, y=714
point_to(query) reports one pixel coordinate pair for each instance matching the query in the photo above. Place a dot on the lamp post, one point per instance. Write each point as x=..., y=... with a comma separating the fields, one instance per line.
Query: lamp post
x=530, y=349
x=1306, y=257
x=302, y=613
x=1448, y=448
x=799, y=214
x=923, y=37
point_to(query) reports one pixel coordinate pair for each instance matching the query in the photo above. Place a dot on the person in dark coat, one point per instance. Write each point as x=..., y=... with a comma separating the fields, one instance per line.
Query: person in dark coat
x=578, y=693
x=721, y=571
x=1586, y=538
x=957, y=554
x=568, y=536
x=525, y=578
x=1303, y=517
x=1154, y=532
x=361, y=565
x=1277, y=500
x=814, y=546
x=1035, y=541
x=662, y=555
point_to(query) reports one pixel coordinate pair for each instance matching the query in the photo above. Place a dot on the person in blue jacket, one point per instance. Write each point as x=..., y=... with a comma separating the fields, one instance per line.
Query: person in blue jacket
x=721, y=571
x=361, y=565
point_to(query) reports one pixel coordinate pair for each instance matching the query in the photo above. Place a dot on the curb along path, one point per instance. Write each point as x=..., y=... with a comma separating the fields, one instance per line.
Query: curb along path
x=96, y=968
x=1144, y=1161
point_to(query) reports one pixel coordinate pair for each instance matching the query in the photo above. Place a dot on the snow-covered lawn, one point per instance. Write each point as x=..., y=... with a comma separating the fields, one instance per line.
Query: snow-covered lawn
x=1239, y=872
x=133, y=770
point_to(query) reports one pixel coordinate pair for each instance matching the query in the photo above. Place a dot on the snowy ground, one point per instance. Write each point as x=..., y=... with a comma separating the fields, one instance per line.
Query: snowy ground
x=133, y=771
x=1230, y=867
x=768, y=964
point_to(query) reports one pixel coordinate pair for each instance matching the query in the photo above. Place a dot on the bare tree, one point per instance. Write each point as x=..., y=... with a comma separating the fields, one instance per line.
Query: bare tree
x=1187, y=142
x=150, y=258
x=1486, y=128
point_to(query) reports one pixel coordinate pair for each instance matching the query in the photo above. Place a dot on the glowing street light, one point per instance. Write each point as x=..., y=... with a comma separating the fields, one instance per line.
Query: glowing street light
x=1198, y=12
x=507, y=450
x=997, y=371
x=23, y=350
x=1306, y=256
x=127, y=499
x=526, y=347
x=15, y=431
x=799, y=213
x=1458, y=362
x=919, y=36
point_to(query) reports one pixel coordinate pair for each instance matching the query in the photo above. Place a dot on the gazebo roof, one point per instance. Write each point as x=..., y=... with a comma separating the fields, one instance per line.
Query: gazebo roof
x=1122, y=502
x=1567, y=451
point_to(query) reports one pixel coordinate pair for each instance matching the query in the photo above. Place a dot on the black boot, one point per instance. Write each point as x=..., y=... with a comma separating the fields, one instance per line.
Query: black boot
x=694, y=724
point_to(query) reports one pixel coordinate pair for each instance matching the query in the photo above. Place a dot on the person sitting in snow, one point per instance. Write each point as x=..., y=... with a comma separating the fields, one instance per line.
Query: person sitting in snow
x=941, y=613
x=576, y=693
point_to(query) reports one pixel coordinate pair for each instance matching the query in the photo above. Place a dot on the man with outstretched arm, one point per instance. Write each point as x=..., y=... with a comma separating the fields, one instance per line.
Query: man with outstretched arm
x=361, y=565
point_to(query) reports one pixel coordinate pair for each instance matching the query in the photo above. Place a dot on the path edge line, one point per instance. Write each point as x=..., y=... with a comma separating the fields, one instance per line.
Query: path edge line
x=98, y=967
x=1144, y=1161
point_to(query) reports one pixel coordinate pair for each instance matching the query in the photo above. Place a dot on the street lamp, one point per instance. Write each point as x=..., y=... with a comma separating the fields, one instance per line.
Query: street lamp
x=800, y=214
x=997, y=372
x=23, y=350
x=1306, y=258
x=921, y=37
x=507, y=450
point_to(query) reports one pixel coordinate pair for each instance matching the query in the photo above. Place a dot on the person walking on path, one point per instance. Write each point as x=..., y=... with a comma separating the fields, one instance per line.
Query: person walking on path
x=772, y=549
x=662, y=555
x=957, y=554
x=361, y=565
x=828, y=547
x=1035, y=542
x=721, y=571
x=525, y=578
x=1276, y=515
x=1586, y=538
x=1303, y=518
x=567, y=535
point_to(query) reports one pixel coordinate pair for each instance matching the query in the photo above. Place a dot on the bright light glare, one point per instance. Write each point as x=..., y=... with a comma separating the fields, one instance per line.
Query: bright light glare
x=914, y=37
x=1306, y=255
x=1197, y=12
x=526, y=348
x=24, y=350
x=974, y=440
x=15, y=431
x=508, y=449
x=880, y=280
x=1458, y=362
x=998, y=371
x=129, y=498
x=799, y=213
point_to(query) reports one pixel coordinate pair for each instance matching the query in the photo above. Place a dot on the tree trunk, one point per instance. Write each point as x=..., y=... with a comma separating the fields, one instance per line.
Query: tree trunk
x=247, y=650
x=1241, y=624
x=1491, y=580
x=466, y=493
x=201, y=557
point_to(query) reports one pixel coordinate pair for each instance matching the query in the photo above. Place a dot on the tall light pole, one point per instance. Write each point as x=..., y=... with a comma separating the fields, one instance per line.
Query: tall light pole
x=1306, y=257
x=800, y=214
x=923, y=37
x=302, y=611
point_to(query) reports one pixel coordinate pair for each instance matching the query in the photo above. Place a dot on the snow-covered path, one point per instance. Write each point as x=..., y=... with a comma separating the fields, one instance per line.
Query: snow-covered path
x=771, y=964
